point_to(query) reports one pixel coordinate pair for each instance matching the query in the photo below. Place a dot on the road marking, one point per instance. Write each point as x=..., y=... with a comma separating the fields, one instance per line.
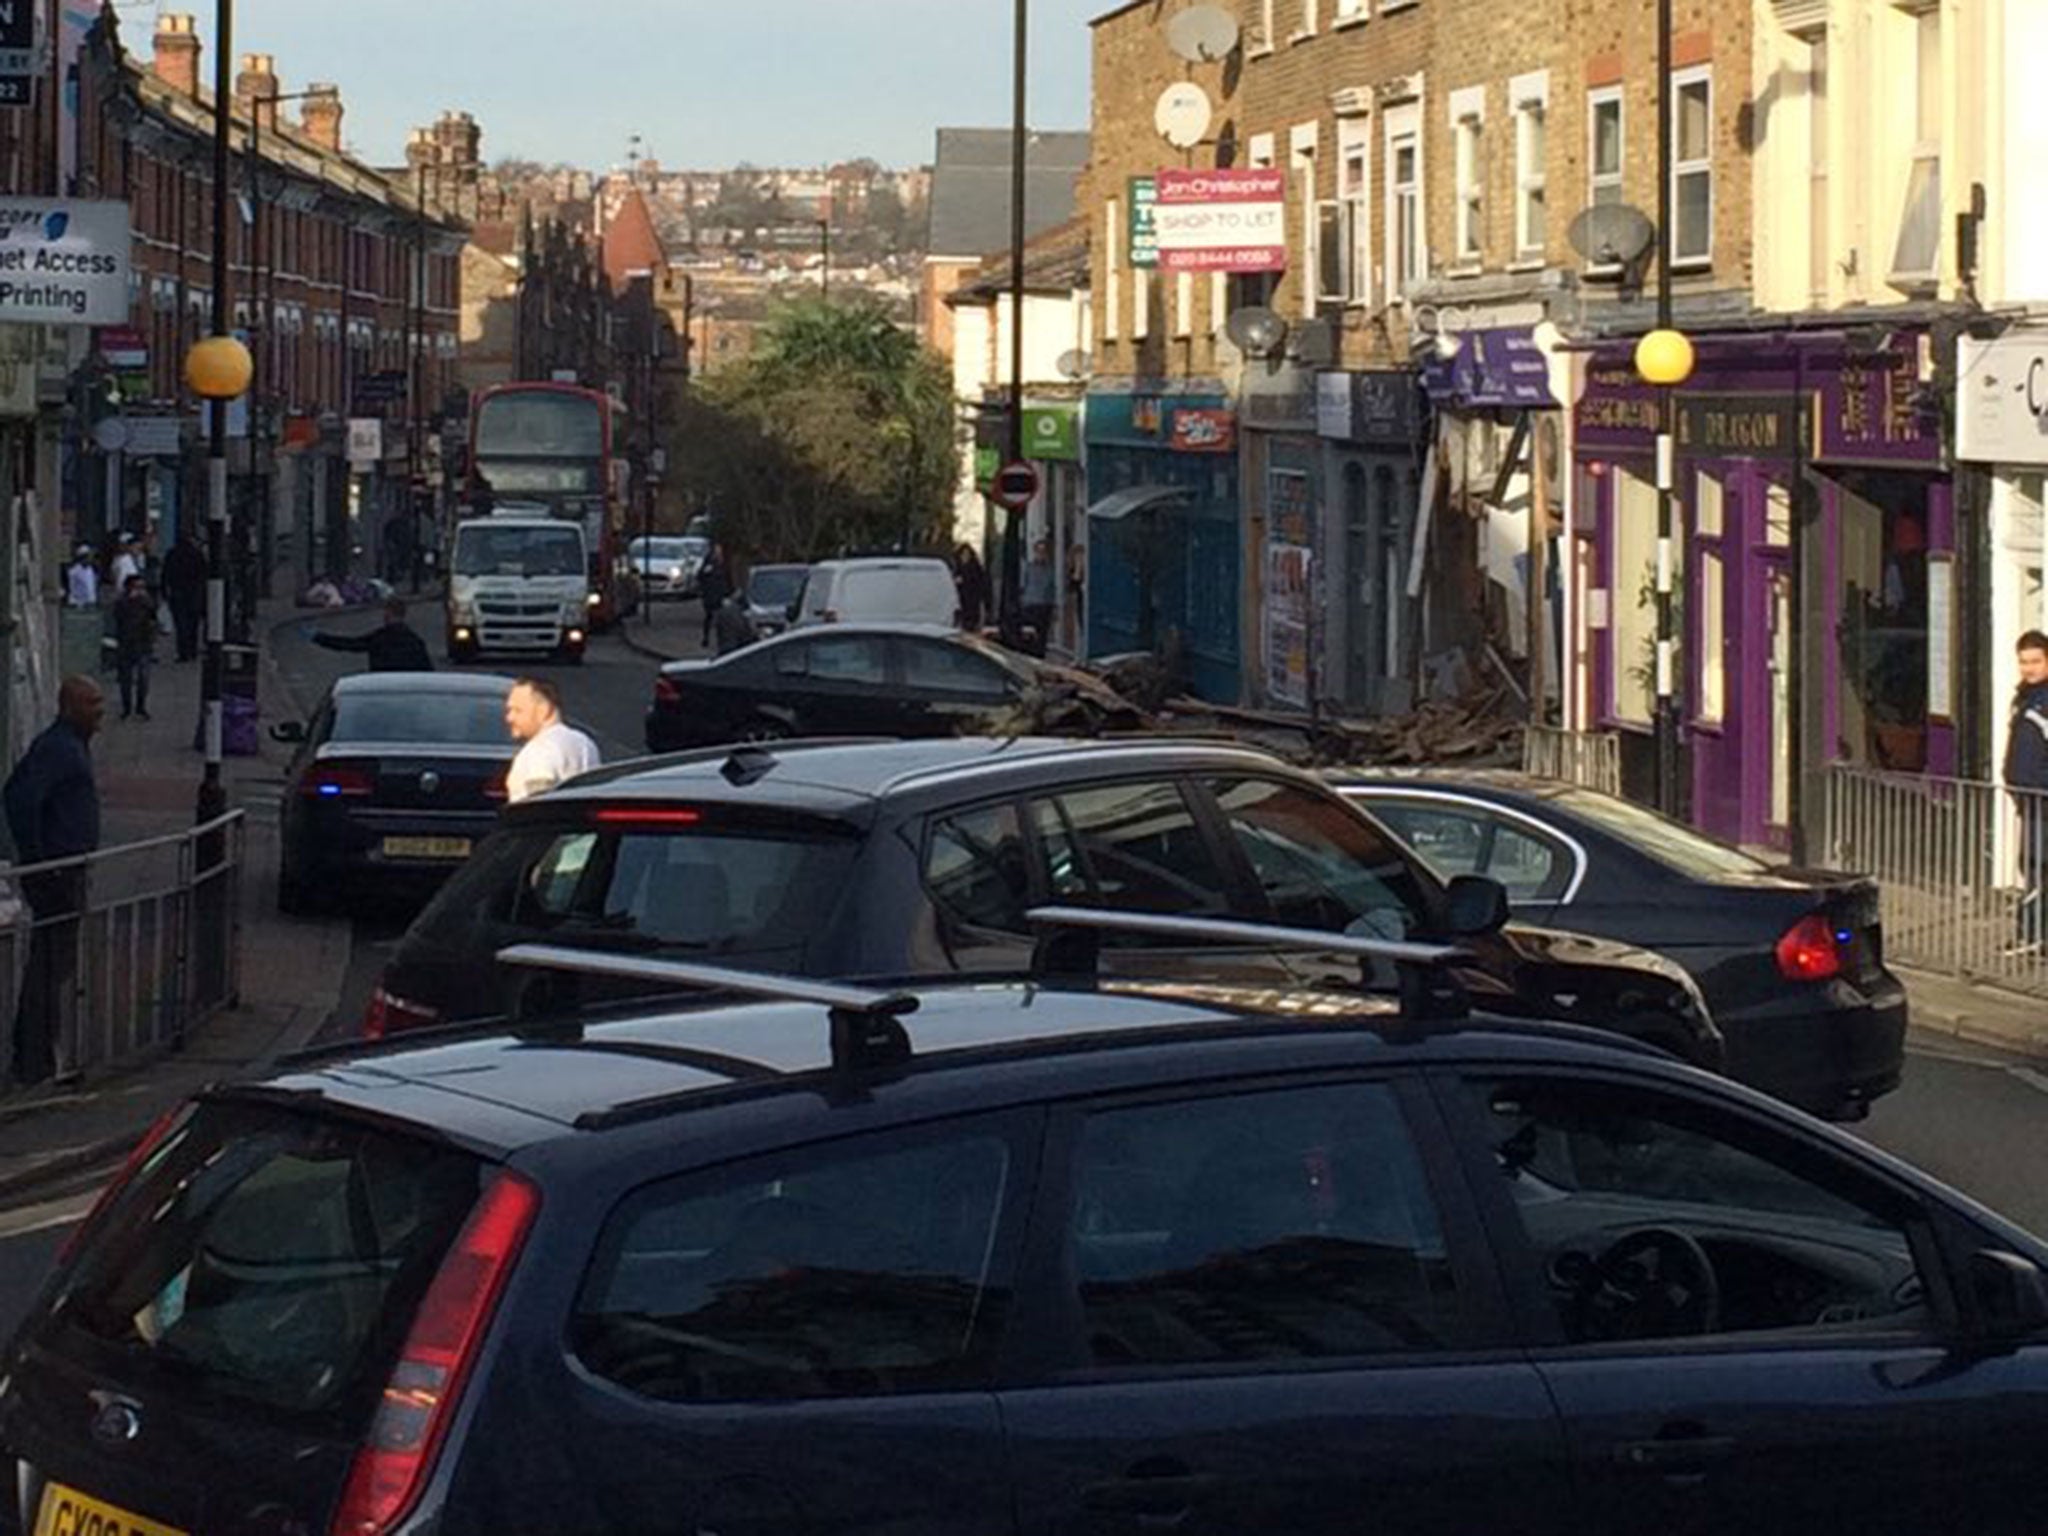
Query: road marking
x=50, y=1213
x=2035, y=1080
x=1957, y=1058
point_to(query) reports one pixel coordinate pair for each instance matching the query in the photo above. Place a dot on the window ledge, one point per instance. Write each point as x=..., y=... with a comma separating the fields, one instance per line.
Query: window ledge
x=1475, y=267
x=1300, y=36
x=1388, y=7
x=1691, y=266
x=1345, y=23
x=1527, y=264
x=1259, y=51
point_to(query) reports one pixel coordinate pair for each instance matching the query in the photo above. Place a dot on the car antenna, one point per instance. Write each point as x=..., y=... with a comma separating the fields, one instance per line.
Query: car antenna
x=748, y=765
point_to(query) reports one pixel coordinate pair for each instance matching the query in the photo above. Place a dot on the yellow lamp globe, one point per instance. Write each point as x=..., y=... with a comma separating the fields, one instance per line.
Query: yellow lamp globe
x=219, y=368
x=1664, y=357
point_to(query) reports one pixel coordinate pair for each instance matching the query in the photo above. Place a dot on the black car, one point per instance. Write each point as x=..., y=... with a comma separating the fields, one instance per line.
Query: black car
x=1791, y=961
x=855, y=680
x=985, y=1260
x=396, y=778
x=918, y=859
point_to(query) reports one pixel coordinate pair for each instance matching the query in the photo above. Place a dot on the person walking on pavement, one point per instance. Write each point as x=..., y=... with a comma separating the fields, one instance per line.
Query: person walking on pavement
x=554, y=750
x=185, y=590
x=82, y=579
x=1038, y=595
x=53, y=812
x=393, y=646
x=714, y=586
x=2026, y=779
x=134, y=646
x=127, y=562
x=970, y=580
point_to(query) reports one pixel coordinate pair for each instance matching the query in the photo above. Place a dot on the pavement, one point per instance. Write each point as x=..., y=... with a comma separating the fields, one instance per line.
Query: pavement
x=668, y=629
x=292, y=969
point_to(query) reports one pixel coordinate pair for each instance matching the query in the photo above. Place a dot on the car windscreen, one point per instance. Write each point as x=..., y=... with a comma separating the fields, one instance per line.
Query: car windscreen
x=527, y=551
x=668, y=886
x=661, y=549
x=434, y=719
x=273, y=1258
x=777, y=586
x=1675, y=846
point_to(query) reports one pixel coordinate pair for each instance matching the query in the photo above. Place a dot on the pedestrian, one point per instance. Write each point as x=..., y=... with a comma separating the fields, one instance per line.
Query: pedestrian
x=1037, y=598
x=554, y=750
x=53, y=813
x=970, y=580
x=134, y=646
x=185, y=591
x=714, y=586
x=734, y=629
x=2026, y=780
x=392, y=646
x=127, y=562
x=82, y=579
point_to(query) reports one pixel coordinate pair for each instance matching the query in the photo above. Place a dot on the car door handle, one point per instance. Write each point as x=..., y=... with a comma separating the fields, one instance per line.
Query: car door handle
x=1163, y=1497
x=1675, y=1454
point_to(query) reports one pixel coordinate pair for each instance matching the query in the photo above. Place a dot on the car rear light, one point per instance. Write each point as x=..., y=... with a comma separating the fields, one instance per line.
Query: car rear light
x=494, y=786
x=397, y=1457
x=666, y=694
x=152, y=1138
x=389, y=1014
x=336, y=781
x=1811, y=949
x=648, y=816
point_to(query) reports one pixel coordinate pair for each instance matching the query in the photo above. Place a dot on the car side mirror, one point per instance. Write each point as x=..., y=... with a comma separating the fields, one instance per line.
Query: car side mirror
x=291, y=731
x=1475, y=905
x=2011, y=1292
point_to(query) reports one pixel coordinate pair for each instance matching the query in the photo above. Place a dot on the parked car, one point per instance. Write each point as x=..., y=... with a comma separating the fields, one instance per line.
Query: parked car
x=771, y=590
x=667, y=567
x=922, y=858
x=879, y=590
x=1791, y=961
x=1125, y=1260
x=396, y=778
x=855, y=680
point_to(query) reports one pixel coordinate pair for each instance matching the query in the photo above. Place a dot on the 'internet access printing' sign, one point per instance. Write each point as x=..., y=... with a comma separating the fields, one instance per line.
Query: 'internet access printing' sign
x=63, y=262
x=1222, y=221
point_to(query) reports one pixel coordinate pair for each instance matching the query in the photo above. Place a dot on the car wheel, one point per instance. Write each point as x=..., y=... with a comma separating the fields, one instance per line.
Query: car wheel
x=763, y=728
x=1666, y=1034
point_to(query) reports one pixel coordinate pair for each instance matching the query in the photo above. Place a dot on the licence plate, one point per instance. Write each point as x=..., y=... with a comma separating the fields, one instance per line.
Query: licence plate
x=426, y=847
x=67, y=1512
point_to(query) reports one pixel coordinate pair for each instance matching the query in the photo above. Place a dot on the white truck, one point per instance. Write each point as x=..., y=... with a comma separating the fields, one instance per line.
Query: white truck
x=518, y=583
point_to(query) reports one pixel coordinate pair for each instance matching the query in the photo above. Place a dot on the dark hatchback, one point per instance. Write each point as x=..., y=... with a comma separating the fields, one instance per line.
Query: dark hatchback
x=920, y=859
x=397, y=777
x=907, y=680
x=1791, y=961
x=1083, y=1263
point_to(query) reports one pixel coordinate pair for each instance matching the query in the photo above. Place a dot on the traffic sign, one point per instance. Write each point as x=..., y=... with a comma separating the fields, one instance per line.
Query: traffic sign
x=1015, y=485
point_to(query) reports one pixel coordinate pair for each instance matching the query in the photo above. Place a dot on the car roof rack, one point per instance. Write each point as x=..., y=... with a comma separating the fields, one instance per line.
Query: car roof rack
x=1072, y=948
x=866, y=1029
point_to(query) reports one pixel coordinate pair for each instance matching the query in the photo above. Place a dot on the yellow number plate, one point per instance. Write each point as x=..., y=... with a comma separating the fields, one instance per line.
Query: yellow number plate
x=67, y=1512
x=426, y=847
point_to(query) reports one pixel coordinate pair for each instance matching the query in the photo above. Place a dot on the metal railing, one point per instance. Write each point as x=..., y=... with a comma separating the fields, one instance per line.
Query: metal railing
x=1952, y=860
x=1591, y=760
x=121, y=953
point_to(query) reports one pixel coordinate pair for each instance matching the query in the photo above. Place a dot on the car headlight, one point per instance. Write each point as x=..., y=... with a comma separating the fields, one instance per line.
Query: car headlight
x=591, y=601
x=676, y=574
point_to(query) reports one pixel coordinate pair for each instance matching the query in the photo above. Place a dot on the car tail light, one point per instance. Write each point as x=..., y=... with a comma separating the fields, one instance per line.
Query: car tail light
x=666, y=694
x=494, y=786
x=396, y=1458
x=1811, y=949
x=389, y=1014
x=152, y=1138
x=336, y=781
x=648, y=816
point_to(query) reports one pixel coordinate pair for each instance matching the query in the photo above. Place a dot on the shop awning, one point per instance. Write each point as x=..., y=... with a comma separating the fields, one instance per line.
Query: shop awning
x=1137, y=498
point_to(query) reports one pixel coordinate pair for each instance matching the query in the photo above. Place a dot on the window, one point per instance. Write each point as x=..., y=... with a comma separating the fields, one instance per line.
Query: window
x=1406, y=252
x=417, y=717
x=1259, y=26
x=1354, y=193
x=1307, y=23
x=1692, y=171
x=1606, y=145
x=1532, y=214
x=1136, y=847
x=1713, y=679
x=1183, y=304
x=840, y=659
x=1916, y=260
x=1468, y=135
x=1112, y=247
x=1301, y=160
x=977, y=868
x=1141, y=303
x=933, y=666
x=1320, y=865
x=1655, y=1219
x=1818, y=227
x=1466, y=840
x=856, y=1269
x=1633, y=601
x=1293, y=1225
x=1349, y=12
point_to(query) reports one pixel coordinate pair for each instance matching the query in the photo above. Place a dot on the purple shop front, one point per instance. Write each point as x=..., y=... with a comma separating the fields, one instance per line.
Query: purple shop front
x=1760, y=416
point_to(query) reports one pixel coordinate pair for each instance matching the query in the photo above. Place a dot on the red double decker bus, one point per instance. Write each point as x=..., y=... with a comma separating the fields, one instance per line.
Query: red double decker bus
x=550, y=447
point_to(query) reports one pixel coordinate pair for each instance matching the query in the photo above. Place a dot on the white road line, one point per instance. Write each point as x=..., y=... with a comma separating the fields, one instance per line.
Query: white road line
x=2037, y=1081
x=51, y=1213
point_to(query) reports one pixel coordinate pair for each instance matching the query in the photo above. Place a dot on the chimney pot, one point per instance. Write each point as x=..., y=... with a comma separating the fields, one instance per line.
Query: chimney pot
x=176, y=58
x=320, y=116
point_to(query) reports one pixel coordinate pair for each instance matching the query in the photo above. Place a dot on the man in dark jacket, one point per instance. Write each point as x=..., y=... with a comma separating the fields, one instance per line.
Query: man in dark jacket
x=185, y=591
x=53, y=812
x=391, y=647
x=714, y=586
x=2026, y=777
x=135, y=646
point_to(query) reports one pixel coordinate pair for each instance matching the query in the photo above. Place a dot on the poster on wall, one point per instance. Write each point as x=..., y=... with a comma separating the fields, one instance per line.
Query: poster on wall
x=1289, y=591
x=1289, y=505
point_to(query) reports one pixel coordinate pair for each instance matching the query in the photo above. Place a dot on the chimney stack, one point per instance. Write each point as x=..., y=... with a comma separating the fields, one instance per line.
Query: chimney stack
x=320, y=116
x=177, y=53
x=256, y=89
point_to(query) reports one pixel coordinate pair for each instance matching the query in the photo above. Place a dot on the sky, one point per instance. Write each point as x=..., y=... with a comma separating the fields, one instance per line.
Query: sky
x=706, y=83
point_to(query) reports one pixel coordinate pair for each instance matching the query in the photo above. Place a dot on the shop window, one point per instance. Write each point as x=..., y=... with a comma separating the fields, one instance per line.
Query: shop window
x=1778, y=516
x=1884, y=628
x=1633, y=599
x=1713, y=676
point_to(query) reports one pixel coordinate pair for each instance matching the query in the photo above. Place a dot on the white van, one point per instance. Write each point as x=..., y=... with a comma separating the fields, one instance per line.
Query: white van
x=881, y=590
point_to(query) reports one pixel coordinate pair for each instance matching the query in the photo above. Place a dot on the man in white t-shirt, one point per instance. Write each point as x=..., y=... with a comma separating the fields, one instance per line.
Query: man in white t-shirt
x=554, y=750
x=127, y=562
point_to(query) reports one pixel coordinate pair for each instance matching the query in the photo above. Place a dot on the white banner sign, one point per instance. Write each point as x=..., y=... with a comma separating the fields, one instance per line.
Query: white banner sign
x=365, y=441
x=2002, y=399
x=64, y=262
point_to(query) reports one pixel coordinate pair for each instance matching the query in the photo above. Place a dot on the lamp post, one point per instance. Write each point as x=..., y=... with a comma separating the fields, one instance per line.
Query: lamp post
x=1664, y=357
x=1013, y=532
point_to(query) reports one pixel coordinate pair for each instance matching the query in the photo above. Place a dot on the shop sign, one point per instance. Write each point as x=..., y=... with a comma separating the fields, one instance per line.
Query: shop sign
x=1495, y=368
x=1870, y=411
x=124, y=349
x=1144, y=221
x=1386, y=408
x=2002, y=399
x=987, y=460
x=1333, y=405
x=1052, y=432
x=1738, y=426
x=1147, y=415
x=365, y=441
x=64, y=261
x=1204, y=430
x=1222, y=220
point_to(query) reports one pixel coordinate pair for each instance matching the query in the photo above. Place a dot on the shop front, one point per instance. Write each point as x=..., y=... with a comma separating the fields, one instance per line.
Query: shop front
x=1371, y=426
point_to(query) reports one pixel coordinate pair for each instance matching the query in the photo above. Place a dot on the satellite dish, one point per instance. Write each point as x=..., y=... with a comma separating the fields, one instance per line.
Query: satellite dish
x=1202, y=34
x=1611, y=234
x=1183, y=115
x=1073, y=364
x=1256, y=331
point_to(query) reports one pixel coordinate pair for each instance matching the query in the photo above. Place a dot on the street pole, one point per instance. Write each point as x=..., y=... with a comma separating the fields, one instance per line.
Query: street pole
x=1013, y=533
x=825, y=252
x=415, y=417
x=213, y=799
x=1666, y=718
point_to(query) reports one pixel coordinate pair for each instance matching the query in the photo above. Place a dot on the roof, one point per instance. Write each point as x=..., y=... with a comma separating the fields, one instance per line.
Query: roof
x=1055, y=261
x=412, y=684
x=631, y=245
x=970, y=196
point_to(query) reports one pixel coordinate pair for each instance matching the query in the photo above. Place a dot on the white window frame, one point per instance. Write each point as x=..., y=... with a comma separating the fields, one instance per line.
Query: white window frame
x=1529, y=106
x=1259, y=42
x=1354, y=192
x=1219, y=301
x=1403, y=125
x=1468, y=178
x=1681, y=80
x=1141, y=303
x=1305, y=22
x=1819, y=135
x=1598, y=181
x=1112, y=245
x=1304, y=140
x=1350, y=13
x=1926, y=158
x=1183, y=304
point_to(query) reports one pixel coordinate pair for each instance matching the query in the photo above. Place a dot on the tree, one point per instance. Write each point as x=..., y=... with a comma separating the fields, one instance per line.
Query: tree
x=835, y=434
